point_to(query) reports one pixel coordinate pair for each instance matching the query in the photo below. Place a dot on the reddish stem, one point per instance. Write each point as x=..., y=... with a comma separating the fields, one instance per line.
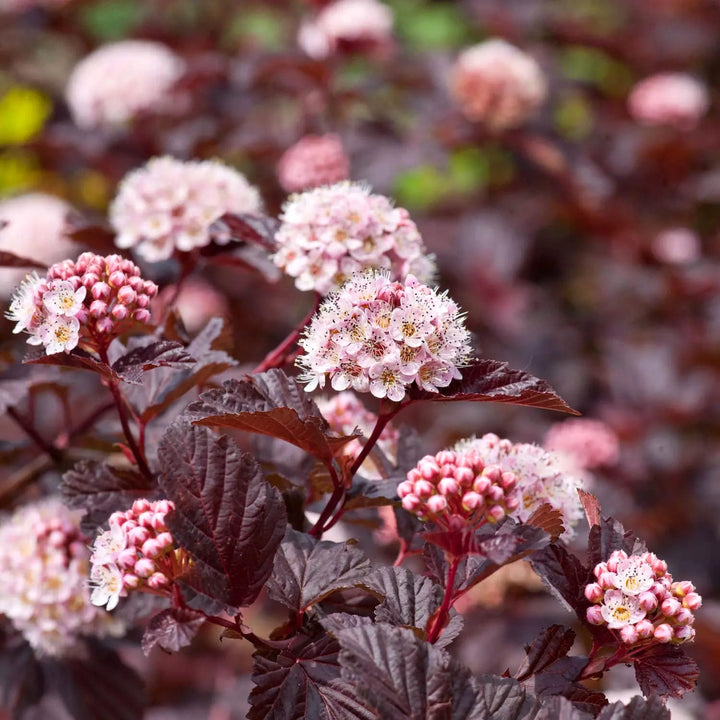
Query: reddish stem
x=55, y=453
x=441, y=617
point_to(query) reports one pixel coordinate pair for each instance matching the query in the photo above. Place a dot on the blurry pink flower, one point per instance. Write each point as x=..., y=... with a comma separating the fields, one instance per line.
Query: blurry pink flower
x=591, y=443
x=497, y=84
x=116, y=81
x=675, y=99
x=313, y=161
x=676, y=246
x=17, y=6
x=356, y=25
x=197, y=303
x=34, y=229
x=168, y=205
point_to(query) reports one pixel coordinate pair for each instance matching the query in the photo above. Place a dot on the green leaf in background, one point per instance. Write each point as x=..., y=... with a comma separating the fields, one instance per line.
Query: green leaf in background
x=426, y=26
x=19, y=171
x=469, y=170
x=23, y=112
x=260, y=27
x=420, y=187
x=574, y=117
x=604, y=16
x=589, y=65
x=113, y=19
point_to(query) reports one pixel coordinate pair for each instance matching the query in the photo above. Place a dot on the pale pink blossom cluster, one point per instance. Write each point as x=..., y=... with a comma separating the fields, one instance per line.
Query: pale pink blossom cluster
x=86, y=301
x=18, y=6
x=497, y=84
x=379, y=336
x=592, y=443
x=117, y=81
x=543, y=477
x=457, y=490
x=670, y=98
x=44, y=563
x=312, y=161
x=168, y=205
x=636, y=597
x=32, y=226
x=331, y=232
x=350, y=25
x=676, y=246
x=136, y=553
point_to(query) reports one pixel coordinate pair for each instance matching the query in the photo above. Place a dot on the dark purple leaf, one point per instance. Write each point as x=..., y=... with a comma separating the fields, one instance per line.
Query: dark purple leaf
x=667, y=671
x=243, y=227
x=8, y=259
x=281, y=458
x=549, y=519
x=306, y=570
x=559, y=677
x=494, y=381
x=551, y=644
x=560, y=708
x=365, y=492
x=637, y=709
x=157, y=353
x=11, y=392
x=609, y=536
x=226, y=514
x=21, y=680
x=591, y=506
x=172, y=629
x=566, y=576
x=77, y=359
x=99, y=238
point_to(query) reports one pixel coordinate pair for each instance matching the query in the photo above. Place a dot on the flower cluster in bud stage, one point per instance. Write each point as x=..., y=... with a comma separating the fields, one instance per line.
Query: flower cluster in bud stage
x=457, y=489
x=674, y=99
x=354, y=25
x=44, y=563
x=636, y=597
x=312, y=161
x=83, y=301
x=331, y=232
x=591, y=443
x=379, y=336
x=497, y=84
x=169, y=205
x=543, y=477
x=136, y=553
x=99, y=95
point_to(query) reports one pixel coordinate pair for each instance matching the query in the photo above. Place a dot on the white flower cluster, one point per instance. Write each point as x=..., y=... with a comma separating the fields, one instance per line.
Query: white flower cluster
x=331, y=232
x=381, y=336
x=44, y=565
x=169, y=205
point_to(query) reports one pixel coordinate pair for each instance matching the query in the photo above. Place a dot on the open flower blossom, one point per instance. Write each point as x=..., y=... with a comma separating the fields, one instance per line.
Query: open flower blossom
x=674, y=99
x=86, y=301
x=497, y=84
x=348, y=25
x=542, y=476
x=117, y=81
x=136, y=553
x=591, y=443
x=636, y=597
x=168, y=205
x=379, y=336
x=312, y=161
x=44, y=563
x=331, y=232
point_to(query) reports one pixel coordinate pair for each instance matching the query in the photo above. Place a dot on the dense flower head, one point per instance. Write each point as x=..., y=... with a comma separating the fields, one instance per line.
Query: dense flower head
x=87, y=301
x=331, y=232
x=354, y=25
x=457, y=489
x=677, y=246
x=168, y=205
x=591, y=443
x=636, y=597
x=542, y=476
x=675, y=99
x=312, y=161
x=497, y=84
x=379, y=336
x=136, y=553
x=44, y=563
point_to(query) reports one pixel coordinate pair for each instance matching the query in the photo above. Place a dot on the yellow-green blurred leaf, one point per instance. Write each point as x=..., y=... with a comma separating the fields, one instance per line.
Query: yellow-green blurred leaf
x=23, y=113
x=574, y=117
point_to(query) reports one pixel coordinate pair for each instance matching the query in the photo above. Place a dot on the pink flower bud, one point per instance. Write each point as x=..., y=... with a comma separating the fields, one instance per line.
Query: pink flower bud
x=163, y=507
x=437, y=504
x=615, y=558
x=692, y=601
x=98, y=308
x=152, y=548
x=509, y=481
x=495, y=494
x=119, y=312
x=684, y=617
x=127, y=266
x=659, y=589
x=57, y=538
x=445, y=457
x=137, y=536
x=663, y=633
x=141, y=505
x=628, y=634
x=512, y=503
x=166, y=540
x=150, y=288
x=600, y=568
x=447, y=471
x=464, y=476
x=126, y=295
x=670, y=606
x=607, y=580
x=424, y=489
x=117, y=279
x=136, y=283
x=142, y=301
x=594, y=615
x=411, y=503
x=594, y=593
x=449, y=486
x=684, y=633
x=144, y=567
x=126, y=558
x=648, y=601
x=406, y=487
x=146, y=518
x=157, y=581
x=141, y=315
x=495, y=513
x=493, y=473
x=644, y=629
x=129, y=524
x=89, y=279
x=481, y=485
x=105, y=325
x=682, y=588
x=131, y=581
x=472, y=501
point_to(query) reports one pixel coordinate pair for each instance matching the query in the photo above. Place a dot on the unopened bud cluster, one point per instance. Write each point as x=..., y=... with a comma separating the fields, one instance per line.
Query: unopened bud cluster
x=331, y=232
x=44, y=562
x=381, y=336
x=591, y=443
x=136, y=553
x=312, y=161
x=636, y=597
x=457, y=489
x=87, y=301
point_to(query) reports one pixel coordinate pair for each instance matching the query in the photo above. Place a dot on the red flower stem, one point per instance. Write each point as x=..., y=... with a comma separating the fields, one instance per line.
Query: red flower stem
x=441, y=617
x=47, y=447
x=382, y=420
x=90, y=420
x=337, y=498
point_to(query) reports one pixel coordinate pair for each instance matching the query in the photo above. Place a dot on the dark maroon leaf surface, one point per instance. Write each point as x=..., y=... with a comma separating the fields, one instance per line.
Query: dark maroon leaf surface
x=609, y=536
x=78, y=359
x=667, y=671
x=8, y=259
x=257, y=229
x=159, y=353
x=551, y=644
x=637, y=709
x=565, y=574
x=11, y=392
x=172, y=629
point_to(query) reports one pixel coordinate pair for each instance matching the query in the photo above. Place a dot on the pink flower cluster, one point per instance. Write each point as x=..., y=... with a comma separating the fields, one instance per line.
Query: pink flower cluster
x=169, y=205
x=312, y=161
x=542, y=476
x=88, y=300
x=44, y=564
x=591, y=443
x=117, y=81
x=331, y=232
x=136, y=553
x=675, y=99
x=636, y=597
x=350, y=25
x=497, y=84
x=381, y=336
x=677, y=246
x=457, y=489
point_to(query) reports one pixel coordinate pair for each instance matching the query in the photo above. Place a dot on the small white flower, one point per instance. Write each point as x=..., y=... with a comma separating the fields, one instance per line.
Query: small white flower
x=633, y=576
x=62, y=299
x=108, y=585
x=59, y=334
x=619, y=610
x=24, y=304
x=108, y=544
